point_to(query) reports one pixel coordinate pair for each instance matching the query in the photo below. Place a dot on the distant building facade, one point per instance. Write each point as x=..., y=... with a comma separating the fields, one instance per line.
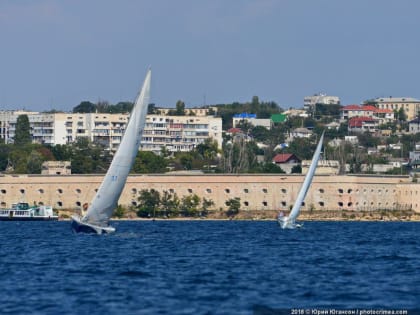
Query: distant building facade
x=286, y=161
x=410, y=105
x=56, y=168
x=177, y=133
x=5, y=117
x=362, y=124
x=309, y=102
x=252, y=119
x=414, y=125
x=381, y=115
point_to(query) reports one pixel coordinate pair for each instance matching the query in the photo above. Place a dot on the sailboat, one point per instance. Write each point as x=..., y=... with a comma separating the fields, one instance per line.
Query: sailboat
x=289, y=222
x=96, y=219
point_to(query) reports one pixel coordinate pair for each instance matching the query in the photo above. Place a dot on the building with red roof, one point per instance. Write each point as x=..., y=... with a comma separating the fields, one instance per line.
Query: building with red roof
x=233, y=131
x=381, y=115
x=282, y=158
x=286, y=161
x=363, y=124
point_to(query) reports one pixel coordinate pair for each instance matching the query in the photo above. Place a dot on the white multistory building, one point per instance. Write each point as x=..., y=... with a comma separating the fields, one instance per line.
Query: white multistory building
x=179, y=133
x=176, y=133
x=309, y=102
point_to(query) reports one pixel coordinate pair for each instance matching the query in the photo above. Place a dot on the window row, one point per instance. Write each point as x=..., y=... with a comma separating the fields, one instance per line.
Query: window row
x=349, y=191
x=209, y=190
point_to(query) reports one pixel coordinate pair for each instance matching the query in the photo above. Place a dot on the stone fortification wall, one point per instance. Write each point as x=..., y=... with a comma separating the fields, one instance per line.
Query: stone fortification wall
x=256, y=192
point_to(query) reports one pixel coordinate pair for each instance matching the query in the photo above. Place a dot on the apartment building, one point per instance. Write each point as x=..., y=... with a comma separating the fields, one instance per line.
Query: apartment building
x=5, y=117
x=189, y=111
x=410, y=105
x=64, y=128
x=309, y=102
x=177, y=133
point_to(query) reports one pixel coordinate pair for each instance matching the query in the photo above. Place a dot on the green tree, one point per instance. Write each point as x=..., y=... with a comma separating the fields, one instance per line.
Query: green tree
x=186, y=160
x=303, y=148
x=18, y=160
x=234, y=205
x=169, y=204
x=260, y=133
x=297, y=169
x=269, y=167
x=85, y=107
x=147, y=162
x=151, y=109
x=179, y=109
x=189, y=205
x=5, y=150
x=34, y=162
x=119, y=212
x=87, y=157
x=62, y=152
x=400, y=114
x=22, y=133
x=149, y=202
x=206, y=204
x=367, y=140
x=120, y=108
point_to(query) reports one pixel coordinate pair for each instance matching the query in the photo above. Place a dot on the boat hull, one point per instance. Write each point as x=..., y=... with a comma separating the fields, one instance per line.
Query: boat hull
x=78, y=226
x=285, y=223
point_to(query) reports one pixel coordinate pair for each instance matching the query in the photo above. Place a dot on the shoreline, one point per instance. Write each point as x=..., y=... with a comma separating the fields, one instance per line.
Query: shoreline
x=271, y=215
x=415, y=218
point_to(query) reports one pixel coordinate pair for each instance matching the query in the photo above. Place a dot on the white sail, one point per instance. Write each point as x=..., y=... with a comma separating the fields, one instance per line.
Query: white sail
x=106, y=198
x=289, y=221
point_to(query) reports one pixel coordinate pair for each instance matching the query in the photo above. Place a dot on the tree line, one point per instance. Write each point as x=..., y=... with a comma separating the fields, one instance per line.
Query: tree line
x=155, y=204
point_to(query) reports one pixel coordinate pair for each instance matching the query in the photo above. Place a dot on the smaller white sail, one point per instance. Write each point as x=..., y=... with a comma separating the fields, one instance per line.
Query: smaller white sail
x=289, y=221
x=105, y=201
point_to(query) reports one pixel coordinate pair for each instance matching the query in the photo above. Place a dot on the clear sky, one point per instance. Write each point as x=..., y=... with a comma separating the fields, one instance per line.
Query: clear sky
x=55, y=54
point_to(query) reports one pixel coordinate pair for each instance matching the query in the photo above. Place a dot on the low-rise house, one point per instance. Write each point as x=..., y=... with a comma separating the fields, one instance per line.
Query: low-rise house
x=381, y=147
x=414, y=155
x=296, y=113
x=372, y=150
x=351, y=139
x=252, y=119
x=362, y=124
x=381, y=115
x=333, y=125
x=414, y=125
x=385, y=132
x=300, y=133
x=233, y=131
x=395, y=146
x=335, y=142
x=286, y=161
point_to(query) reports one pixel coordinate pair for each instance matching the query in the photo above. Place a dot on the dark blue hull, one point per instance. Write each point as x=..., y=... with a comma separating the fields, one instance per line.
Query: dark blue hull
x=79, y=228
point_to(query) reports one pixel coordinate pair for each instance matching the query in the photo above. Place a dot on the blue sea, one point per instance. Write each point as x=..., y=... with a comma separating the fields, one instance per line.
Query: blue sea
x=208, y=267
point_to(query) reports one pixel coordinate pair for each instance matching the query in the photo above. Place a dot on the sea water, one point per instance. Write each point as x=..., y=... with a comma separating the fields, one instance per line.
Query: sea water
x=208, y=267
